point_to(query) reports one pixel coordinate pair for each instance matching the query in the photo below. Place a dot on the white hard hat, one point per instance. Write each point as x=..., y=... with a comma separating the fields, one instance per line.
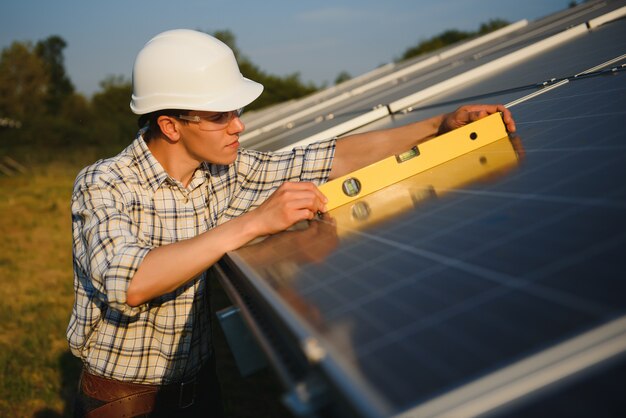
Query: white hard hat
x=187, y=69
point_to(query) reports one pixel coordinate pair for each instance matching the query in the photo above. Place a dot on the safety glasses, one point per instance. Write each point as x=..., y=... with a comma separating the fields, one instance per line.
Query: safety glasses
x=213, y=122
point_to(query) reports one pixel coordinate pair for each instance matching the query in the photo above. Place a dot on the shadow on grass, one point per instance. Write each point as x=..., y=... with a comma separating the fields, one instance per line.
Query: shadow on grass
x=70, y=367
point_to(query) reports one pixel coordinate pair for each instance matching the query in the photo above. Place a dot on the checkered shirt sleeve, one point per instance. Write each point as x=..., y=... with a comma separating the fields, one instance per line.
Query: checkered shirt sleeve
x=258, y=174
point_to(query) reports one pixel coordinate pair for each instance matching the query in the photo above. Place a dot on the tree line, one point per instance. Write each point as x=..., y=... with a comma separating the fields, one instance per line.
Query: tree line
x=449, y=37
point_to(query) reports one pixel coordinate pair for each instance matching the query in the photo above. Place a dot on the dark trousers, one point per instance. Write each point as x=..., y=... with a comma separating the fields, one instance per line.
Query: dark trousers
x=106, y=398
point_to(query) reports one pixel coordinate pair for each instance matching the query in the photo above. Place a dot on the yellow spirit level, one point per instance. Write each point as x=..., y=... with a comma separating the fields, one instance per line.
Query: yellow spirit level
x=418, y=159
x=487, y=163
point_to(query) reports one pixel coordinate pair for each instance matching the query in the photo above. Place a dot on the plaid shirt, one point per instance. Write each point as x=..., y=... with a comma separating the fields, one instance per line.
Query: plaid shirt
x=125, y=206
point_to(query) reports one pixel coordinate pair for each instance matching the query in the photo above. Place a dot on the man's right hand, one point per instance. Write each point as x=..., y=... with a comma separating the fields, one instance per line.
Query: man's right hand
x=167, y=267
x=289, y=204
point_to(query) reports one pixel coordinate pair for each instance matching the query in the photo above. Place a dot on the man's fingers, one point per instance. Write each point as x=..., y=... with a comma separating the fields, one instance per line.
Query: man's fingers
x=298, y=215
x=476, y=115
x=307, y=201
x=317, y=192
x=507, y=117
x=476, y=112
x=294, y=197
x=300, y=190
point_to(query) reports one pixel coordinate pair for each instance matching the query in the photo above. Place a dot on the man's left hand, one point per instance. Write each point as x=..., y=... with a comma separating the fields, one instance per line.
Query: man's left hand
x=470, y=113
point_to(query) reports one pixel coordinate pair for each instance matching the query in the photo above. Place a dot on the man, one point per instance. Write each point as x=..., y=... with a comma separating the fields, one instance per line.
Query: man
x=149, y=222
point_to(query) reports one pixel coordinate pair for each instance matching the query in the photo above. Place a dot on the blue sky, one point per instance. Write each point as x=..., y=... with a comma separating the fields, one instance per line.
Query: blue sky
x=316, y=39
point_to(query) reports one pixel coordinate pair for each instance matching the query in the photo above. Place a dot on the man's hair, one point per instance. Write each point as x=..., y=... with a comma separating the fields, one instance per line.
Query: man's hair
x=154, y=130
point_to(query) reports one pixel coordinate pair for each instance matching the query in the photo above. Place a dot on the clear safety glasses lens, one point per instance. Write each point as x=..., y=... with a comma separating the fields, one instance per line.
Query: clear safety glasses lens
x=214, y=122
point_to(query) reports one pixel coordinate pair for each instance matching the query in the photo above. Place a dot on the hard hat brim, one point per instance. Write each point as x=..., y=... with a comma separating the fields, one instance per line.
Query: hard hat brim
x=239, y=96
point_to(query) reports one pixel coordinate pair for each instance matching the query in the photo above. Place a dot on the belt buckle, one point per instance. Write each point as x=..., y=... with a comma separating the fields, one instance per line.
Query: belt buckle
x=183, y=402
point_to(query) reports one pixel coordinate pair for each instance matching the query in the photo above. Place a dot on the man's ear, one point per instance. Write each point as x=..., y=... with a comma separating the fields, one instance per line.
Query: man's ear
x=169, y=127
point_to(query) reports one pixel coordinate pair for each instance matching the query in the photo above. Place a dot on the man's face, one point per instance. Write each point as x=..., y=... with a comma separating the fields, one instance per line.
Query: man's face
x=213, y=136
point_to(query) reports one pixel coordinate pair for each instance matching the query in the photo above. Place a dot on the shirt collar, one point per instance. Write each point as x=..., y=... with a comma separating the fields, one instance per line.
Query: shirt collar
x=150, y=169
x=153, y=172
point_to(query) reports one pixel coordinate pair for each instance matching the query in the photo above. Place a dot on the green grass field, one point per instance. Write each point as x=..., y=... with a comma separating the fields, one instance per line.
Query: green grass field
x=36, y=291
x=38, y=375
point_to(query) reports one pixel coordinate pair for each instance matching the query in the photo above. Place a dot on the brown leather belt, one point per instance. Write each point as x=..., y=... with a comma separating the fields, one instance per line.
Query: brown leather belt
x=130, y=399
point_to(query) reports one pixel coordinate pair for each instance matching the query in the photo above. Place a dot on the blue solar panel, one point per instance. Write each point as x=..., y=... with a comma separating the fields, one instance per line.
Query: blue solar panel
x=463, y=279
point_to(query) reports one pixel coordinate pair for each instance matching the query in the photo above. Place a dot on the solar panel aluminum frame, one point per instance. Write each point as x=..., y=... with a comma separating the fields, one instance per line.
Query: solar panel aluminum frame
x=316, y=381
x=523, y=378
